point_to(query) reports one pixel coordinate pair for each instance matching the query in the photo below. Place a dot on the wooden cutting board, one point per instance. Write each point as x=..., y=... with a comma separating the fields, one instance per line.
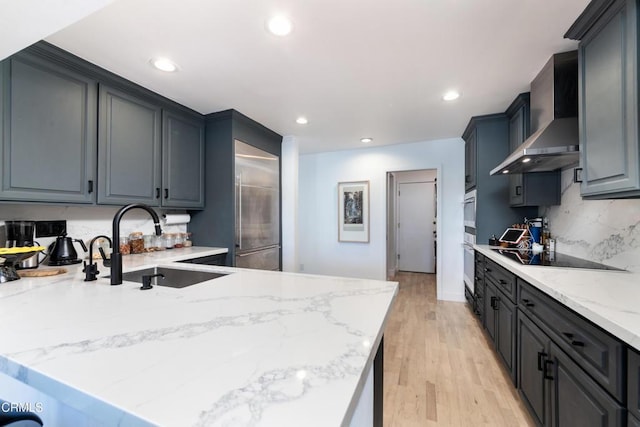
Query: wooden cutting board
x=41, y=273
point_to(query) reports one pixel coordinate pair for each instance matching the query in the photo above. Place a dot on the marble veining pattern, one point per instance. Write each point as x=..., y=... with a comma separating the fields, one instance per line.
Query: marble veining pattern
x=249, y=348
x=606, y=231
x=607, y=298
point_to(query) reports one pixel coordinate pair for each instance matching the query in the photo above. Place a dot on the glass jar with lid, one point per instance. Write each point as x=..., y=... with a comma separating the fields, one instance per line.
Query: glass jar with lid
x=149, y=242
x=125, y=249
x=136, y=241
x=158, y=242
x=187, y=240
x=169, y=240
x=179, y=241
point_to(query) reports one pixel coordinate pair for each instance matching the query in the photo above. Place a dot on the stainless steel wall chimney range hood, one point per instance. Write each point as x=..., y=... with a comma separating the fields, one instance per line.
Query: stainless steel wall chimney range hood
x=554, y=120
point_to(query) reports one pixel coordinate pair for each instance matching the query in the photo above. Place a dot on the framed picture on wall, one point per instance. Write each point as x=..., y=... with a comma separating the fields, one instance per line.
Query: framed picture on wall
x=353, y=211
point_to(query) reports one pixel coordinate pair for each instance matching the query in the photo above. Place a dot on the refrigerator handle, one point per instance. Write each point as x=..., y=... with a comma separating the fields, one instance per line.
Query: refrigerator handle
x=239, y=213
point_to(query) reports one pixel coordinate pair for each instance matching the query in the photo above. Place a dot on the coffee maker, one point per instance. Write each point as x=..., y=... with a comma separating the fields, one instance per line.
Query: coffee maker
x=20, y=234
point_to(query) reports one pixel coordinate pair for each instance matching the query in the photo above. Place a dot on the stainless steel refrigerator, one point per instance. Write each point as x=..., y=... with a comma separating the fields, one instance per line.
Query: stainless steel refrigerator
x=257, y=194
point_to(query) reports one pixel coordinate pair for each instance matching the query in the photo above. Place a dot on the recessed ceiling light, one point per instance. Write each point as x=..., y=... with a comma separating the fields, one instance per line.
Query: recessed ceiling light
x=451, y=95
x=280, y=25
x=302, y=120
x=164, y=64
x=526, y=160
x=366, y=140
x=505, y=171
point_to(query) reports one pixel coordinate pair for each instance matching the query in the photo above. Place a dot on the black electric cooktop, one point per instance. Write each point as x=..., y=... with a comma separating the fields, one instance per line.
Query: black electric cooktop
x=527, y=257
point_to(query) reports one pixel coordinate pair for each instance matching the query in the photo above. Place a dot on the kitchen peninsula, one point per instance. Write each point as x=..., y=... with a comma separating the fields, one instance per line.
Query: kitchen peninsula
x=249, y=348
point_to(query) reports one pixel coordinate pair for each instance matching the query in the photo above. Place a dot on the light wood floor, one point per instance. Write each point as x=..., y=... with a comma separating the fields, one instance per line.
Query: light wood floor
x=438, y=366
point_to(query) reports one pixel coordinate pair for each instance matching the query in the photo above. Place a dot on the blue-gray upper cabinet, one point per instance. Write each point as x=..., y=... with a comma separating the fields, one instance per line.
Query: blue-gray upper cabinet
x=518, y=113
x=608, y=96
x=182, y=160
x=487, y=139
x=47, y=132
x=129, y=169
x=535, y=188
x=470, y=159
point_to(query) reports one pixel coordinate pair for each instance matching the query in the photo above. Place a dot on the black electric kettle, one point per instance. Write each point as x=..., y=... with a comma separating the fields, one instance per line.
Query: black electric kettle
x=62, y=252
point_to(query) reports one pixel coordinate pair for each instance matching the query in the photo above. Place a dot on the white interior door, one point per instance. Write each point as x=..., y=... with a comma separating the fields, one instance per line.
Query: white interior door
x=416, y=217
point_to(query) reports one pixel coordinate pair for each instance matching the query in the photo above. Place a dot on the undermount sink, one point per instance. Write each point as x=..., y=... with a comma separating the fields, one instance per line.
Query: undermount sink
x=173, y=277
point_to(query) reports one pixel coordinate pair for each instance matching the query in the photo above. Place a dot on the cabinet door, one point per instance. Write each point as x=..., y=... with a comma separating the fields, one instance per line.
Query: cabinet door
x=128, y=149
x=517, y=135
x=479, y=291
x=577, y=400
x=490, y=307
x=182, y=161
x=470, y=146
x=47, y=131
x=531, y=354
x=516, y=194
x=633, y=382
x=609, y=104
x=505, y=331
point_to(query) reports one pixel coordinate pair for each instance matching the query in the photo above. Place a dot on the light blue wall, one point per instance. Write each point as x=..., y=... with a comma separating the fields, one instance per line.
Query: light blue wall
x=319, y=250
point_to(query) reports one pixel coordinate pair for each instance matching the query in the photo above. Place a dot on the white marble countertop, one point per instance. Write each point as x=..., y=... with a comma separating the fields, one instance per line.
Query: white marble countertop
x=607, y=298
x=249, y=348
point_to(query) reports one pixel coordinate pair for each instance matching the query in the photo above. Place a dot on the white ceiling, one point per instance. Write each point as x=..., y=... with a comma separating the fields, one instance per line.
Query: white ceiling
x=354, y=68
x=24, y=22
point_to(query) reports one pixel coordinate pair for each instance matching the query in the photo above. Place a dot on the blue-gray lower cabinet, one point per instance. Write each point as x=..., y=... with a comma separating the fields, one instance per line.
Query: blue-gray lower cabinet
x=608, y=96
x=633, y=382
x=129, y=147
x=47, y=131
x=182, y=160
x=555, y=389
x=500, y=323
x=633, y=421
x=569, y=371
x=532, y=385
x=575, y=398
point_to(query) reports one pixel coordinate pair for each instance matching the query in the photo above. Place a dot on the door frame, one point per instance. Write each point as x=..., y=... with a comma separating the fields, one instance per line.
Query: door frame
x=391, y=214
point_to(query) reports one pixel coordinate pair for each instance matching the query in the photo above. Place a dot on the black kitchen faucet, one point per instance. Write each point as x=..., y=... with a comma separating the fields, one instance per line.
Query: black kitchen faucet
x=116, y=256
x=91, y=270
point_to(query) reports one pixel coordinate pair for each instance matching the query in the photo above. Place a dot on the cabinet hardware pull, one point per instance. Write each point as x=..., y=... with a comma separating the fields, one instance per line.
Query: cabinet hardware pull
x=90, y=189
x=157, y=192
x=494, y=303
x=568, y=335
x=166, y=193
x=502, y=282
x=518, y=190
x=527, y=303
x=487, y=270
x=577, y=343
x=545, y=371
x=541, y=356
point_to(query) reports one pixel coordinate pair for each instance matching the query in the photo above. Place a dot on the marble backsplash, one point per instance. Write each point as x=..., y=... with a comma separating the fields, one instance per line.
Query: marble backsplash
x=606, y=231
x=83, y=222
